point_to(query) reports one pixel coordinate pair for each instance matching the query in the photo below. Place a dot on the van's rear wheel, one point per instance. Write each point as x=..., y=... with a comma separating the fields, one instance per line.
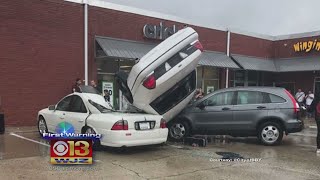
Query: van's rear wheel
x=270, y=133
x=179, y=130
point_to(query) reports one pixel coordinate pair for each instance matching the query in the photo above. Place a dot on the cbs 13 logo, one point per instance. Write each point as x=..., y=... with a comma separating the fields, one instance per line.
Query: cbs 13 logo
x=71, y=151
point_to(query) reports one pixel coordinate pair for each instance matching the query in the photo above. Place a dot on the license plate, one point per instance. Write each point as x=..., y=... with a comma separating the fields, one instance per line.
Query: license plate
x=144, y=125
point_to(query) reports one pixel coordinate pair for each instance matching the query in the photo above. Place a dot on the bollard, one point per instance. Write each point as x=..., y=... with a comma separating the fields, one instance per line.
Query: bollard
x=1, y=123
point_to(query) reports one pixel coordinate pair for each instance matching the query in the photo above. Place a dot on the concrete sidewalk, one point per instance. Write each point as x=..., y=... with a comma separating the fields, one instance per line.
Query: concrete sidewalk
x=309, y=123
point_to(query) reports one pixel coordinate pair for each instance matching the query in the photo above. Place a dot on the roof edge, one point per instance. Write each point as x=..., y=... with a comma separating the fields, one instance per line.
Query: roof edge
x=148, y=13
x=297, y=35
x=143, y=12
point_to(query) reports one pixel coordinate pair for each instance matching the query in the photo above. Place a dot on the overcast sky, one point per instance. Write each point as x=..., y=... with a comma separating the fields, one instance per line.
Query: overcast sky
x=270, y=17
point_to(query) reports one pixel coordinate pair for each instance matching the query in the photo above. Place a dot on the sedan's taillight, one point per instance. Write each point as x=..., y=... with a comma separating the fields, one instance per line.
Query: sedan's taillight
x=150, y=82
x=120, y=125
x=296, y=107
x=198, y=45
x=163, y=124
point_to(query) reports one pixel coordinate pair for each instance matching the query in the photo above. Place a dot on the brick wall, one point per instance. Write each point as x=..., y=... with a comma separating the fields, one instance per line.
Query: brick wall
x=303, y=80
x=251, y=46
x=41, y=55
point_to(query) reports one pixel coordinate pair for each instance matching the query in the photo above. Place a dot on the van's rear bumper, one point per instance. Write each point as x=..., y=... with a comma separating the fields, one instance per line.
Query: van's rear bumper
x=294, y=125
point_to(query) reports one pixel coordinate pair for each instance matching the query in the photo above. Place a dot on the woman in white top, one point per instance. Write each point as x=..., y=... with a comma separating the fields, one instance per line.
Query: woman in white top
x=309, y=99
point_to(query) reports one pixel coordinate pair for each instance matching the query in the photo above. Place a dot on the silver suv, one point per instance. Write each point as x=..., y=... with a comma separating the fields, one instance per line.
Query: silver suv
x=265, y=112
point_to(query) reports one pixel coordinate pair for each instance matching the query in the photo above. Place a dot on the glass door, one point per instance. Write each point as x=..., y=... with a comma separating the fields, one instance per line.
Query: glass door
x=208, y=78
x=107, y=68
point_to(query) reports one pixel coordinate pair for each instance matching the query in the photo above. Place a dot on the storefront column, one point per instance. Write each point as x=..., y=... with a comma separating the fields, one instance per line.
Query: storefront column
x=228, y=54
x=85, y=2
x=223, y=79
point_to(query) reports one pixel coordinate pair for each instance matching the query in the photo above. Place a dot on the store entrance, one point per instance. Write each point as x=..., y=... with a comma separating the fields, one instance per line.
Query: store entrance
x=106, y=68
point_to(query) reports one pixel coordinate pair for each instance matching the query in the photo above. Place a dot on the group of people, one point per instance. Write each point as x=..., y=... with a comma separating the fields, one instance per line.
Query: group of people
x=305, y=101
x=77, y=88
x=312, y=103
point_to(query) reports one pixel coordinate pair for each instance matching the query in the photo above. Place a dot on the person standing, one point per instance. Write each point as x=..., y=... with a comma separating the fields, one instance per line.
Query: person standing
x=315, y=105
x=309, y=99
x=76, y=86
x=300, y=97
x=198, y=94
x=94, y=85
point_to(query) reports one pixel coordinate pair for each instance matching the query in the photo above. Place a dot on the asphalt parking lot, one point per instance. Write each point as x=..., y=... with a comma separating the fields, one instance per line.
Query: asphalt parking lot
x=24, y=155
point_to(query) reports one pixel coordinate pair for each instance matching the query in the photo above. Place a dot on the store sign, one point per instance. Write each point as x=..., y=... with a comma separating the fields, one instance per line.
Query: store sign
x=307, y=46
x=109, y=87
x=210, y=89
x=158, y=31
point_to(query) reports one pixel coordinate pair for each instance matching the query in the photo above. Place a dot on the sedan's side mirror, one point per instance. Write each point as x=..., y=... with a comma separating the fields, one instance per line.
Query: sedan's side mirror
x=52, y=107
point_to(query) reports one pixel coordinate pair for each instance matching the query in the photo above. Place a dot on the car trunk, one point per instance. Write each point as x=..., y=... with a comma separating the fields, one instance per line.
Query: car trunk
x=139, y=121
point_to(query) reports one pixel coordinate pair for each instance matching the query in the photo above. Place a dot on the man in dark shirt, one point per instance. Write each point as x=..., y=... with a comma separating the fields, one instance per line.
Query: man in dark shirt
x=315, y=105
x=76, y=86
x=94, y=85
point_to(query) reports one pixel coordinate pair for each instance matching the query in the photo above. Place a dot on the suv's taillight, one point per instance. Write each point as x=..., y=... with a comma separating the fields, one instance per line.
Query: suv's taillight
x=150, y=82
x=120, y=125
x=198, y=45
x=296, y=107
x=163, y=124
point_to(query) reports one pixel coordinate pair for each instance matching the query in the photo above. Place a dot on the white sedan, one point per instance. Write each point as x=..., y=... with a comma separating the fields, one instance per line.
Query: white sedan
x=88, y=112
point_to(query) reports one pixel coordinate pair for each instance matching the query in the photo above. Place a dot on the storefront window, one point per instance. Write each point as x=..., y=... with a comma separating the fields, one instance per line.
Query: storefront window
x=210, y=86
x=246, y=78
x=239, y=78
x=208, y=78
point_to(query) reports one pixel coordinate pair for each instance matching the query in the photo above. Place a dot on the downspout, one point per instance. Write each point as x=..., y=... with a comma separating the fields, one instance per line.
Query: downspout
x=85, y=2
x=228, y=54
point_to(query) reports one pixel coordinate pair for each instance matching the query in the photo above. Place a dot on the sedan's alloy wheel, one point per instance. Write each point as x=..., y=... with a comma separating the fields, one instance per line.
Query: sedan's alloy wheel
x=42, y=126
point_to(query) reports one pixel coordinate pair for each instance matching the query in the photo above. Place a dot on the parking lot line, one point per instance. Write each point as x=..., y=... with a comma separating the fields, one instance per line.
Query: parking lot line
x=16, y=135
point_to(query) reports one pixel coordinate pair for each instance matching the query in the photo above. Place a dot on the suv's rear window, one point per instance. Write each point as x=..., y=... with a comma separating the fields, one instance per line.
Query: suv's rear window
x=276, y=99
x=175, y=95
